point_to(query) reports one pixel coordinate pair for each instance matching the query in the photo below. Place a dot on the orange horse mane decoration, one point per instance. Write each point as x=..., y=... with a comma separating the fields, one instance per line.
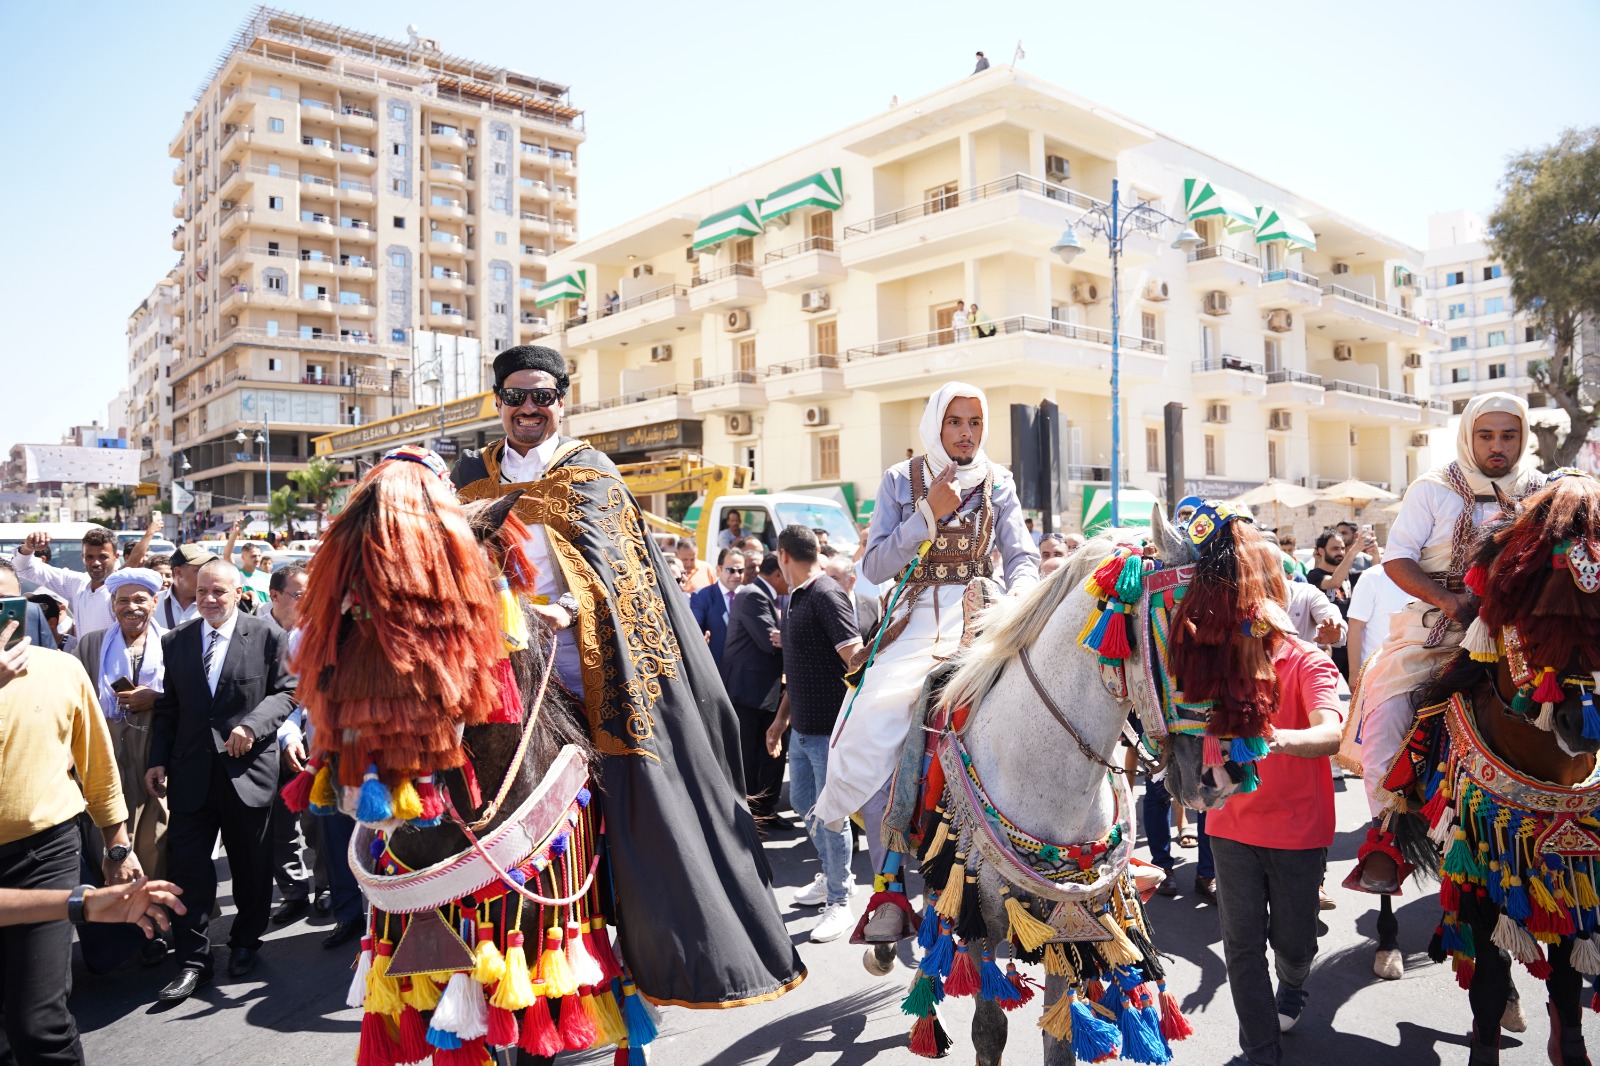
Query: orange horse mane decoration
x=402, y=641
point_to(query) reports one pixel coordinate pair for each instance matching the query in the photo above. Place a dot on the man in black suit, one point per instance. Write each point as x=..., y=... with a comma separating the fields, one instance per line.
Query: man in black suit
x=713, y=604
x=213, y=754
x=752, y=665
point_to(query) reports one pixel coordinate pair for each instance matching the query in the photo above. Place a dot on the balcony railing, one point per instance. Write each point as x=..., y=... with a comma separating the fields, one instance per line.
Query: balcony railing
x=1290, y=275
x=796, y=366
x=814, y=244
x=1227, y=362
x=647, y=298
x=632, y=397
x=1222, y=251
x=1014, y=324
x=1375, y=393
x=1365, y=300
x=256, y=335
x=989, y=191
x=738, y=377
x=1297, y=377
x=733, y=270
x=1096, y=473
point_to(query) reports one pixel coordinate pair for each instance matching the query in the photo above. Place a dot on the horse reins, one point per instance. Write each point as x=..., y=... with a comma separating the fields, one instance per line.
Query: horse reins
x=1083, y=745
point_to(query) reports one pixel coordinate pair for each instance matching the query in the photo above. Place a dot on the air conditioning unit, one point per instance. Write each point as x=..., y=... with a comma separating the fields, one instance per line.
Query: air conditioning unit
x=739, y=425
x=1419, y=440
x=1085, y=292
x=227, y=205
x=1343, y=352
x=1057, y=168
x=814, y=300
x=1341, y=268
x=1218, y=302
x=572, y=368
x=643, y=270
x=1280, y=421
x=1354, y=440
x=233, y=320
x=1413, y=360
x=1156, y=290
x=816, y=416
x=661, y=353
x=737, y=321
x=1280, y=321
x=1218, y=414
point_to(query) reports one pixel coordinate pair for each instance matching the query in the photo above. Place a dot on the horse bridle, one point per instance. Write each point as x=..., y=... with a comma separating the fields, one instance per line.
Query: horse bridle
x=1072, y=731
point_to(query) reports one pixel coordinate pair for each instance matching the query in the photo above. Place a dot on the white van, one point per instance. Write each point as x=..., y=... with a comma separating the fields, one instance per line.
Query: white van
x=66, y=540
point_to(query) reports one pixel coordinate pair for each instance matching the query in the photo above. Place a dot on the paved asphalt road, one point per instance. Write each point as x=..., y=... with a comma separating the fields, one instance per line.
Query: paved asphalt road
x=290, y=1011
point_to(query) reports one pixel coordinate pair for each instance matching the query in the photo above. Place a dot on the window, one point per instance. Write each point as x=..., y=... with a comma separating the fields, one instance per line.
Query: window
x=1147, y=326
x=311, y=291
x=397, y=259
x=1497, y=337
x=498, y=308
x=1491, y=272
x=1211, y=455
x=1455, y=277
x=275, y=203
x=275, y=93
x=399, y=222
x=744, y=250
x=274, y=170
x=350, y=298
x=501, y=204
x=500, y=273
x=1457, y=406
x=397, y=112
x=274, y=125
x=747, y=355
x=397, y=148
x=1460, y=374
x=398, y=185
x=828, y=458
x=1497, y=371
x=942, y=197
x=310, y=333
x=397, y=296
x=825, y=338
x=1494, y=305
x=499, y=238
x=1458, y=344
x=1152, y=449
x=1456, y=311
x=500, y=168
x=1272, y=354
x=501, y=135
x=1272, y=452
x=499, y=344
x=272, y=327
x=1532, y=333
x=397, y=335
x=275, y=281
x=274, y=364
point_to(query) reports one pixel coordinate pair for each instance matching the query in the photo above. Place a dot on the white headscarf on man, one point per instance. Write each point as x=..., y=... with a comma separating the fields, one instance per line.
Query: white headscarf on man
x=1523, y=466
x=933, y=423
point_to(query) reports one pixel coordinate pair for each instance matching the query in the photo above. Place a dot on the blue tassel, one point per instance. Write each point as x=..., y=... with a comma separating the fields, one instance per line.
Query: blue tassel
x=1098, y=634
x=1152, y=1023
x=1111, y=997
x=1452, y=938
x=940, y=957
x=928, y=932
x=442, y=1040
x=1139, y=1043
x=1093, y=1038
x=584, y=796
x=1516, y=904
x=1591, y=717
x=1497, y=889
x=993, y=984
x=938, y=987
x=374, y=806
x=377, y=847
x=642, y=1028
x=636, y=1056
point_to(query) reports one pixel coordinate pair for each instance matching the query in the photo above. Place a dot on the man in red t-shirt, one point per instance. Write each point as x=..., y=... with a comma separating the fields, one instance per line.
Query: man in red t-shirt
x=1270, y=845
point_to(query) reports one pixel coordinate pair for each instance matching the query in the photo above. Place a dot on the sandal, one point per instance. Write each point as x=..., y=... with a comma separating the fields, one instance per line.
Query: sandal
x=1188, y=840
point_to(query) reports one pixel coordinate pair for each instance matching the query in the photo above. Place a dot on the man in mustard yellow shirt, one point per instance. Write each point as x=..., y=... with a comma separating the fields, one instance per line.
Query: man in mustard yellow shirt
x=50, y=727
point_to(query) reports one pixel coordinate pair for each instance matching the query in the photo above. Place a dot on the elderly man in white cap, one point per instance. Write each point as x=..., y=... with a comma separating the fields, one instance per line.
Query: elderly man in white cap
x=1427, y=557
x=965, y=506
x=124, y=662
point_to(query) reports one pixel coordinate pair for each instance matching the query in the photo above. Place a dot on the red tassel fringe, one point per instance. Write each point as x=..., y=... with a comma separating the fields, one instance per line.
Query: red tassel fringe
x=1549, y=690
x=502, y=1027
x=414, y=1046
x=923, y=1042
x=1174, y=1026
x=577, y=1025
x=508, y=710
x=1114, y=645
x=964, y=979
x=1540, y=969
x=1449, y=895
x=539, y=1036
x=297, y=793
x=377, y=1047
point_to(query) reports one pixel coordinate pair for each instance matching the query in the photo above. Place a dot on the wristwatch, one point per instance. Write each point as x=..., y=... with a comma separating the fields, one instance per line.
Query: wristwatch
x=75, y=904
x=117, y=852
x=569, y=603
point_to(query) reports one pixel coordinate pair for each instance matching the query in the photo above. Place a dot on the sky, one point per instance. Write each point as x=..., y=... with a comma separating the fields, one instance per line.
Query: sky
x=1383, y=111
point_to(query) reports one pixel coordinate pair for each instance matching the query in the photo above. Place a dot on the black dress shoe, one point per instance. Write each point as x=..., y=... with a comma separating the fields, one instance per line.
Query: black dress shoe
x=154, y=952
x=241, y=961
x=290, y=910
x=343, y=932
x=186, y=984
x=324, y=901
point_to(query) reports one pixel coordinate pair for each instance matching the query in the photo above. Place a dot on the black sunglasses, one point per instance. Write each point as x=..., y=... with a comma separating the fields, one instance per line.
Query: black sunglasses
x=518, y=397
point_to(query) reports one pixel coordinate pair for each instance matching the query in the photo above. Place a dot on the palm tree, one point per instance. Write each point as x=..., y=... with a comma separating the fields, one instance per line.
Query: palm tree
x=282, y=506
x=115, y=499
x=315, y=483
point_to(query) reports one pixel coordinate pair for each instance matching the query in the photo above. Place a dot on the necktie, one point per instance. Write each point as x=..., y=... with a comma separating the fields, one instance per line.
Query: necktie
x=211, y=650
x=730, y=602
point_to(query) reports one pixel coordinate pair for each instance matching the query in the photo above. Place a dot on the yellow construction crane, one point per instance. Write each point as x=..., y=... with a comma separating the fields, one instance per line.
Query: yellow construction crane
x=686, y=473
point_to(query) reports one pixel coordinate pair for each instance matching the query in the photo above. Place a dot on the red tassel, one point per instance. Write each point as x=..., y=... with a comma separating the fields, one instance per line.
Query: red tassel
x=1174, y=1026
x=508, y=709
x=502, y=1028
x=377, y=1047
x=1449, y=895
x=297, y=793
x=577, y=1024
x=1549, y=690
x=539, y=1036
x=1106, y=574
x=1114, y=645
x=1434, y=807
x=470, y=1053
x=1540, y=970
x=469, y=777
x=432, y=802
x=1474, y=579
x=933, y=788
x=414, y=1046
x=1464, y=970
x=620, y=1056
x=1211, y=751
x=1594, y=1001
x=599, y=945
x=1022, y=983
x=923, y=1042
x=964, y=979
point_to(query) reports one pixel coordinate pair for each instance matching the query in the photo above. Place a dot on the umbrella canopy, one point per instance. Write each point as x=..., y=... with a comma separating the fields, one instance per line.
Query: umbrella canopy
x=1278, y=493
x=1356, y=493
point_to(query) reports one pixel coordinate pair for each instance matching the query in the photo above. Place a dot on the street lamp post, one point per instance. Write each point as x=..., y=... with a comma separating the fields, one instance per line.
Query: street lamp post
x=1108, y=221
x=263, y=437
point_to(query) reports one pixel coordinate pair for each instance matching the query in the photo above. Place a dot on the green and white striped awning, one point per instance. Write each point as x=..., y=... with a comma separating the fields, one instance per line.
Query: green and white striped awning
x=741, y=221
x=823, y=189
x=1274, y=225
x=1135, y=506
x=1403, y=276
x=1201, y=199
x=572, y=286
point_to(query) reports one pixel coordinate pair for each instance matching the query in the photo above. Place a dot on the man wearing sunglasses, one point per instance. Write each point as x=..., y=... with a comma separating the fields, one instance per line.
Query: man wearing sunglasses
x=629, y=647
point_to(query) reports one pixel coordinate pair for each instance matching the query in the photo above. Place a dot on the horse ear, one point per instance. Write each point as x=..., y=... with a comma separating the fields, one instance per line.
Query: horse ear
x=1172, y=545
x=1511, y=509
x=488, y=516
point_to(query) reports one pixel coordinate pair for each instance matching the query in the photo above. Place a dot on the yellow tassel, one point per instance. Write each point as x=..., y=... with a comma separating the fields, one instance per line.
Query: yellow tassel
x=407, y=804
x=383, y=991
x=554, y=972
x=422, y=994
x=1056, y=964
x=1057, y=1021
x=1088, y=627
x=1585, y=892
x=322, y=793
x=1540, y=894
x=588, y=1002
x=1029, y=931
x=489, y=965
x=513, y=624
x=610, y=1029
x=1119, y=950
x=515, y=990
x=949, y=905
x=941, y=835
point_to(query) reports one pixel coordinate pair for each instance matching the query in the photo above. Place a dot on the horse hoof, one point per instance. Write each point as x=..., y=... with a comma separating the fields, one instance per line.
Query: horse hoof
x=875, y=967
x=1513, y=1020
x=1388, y=964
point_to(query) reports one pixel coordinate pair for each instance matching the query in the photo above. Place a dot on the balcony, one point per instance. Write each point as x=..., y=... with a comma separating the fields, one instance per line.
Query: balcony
x=356, y=229
x=807, y=265
x=232, y=220
x=667, y=403
x=536, y=224
x=742, y=390
x=354, y=340
x=533, y=253
x=1367, y=405
x=315, y=262
x=355, y=266
x=1018, y=208
x=362, y=308
x=355, y=118
x=535, y=190
x=177, y=238
x=438, y=170
x=448, y=318
x=446, y=137
x=446, y=209
x=235, y=180
x=235, y=104
x=819, y=377
x=1221, y=267
x=652, y=316
x=1227, y=378
x=354, y=155
x=178, y=208
x=533, y=325
x=1348, y=315
x=316, y=222
x=447, y=244
x=444, y=280
x=355, y=192
x=1025, y=350
x=1294, y=389
x=313, y=187
x=233, y=300
x=735, y=285
x=177, y=174
x=318, y=148
x=234, y=142
x=1288, y=289
x=563, y=162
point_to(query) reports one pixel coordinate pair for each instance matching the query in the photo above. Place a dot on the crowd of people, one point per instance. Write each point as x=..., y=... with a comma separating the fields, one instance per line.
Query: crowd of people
x=167, y=688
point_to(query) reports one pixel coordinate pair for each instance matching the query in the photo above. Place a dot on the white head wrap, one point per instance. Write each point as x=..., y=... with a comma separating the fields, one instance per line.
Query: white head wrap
x=933, y=423
x=134, y=575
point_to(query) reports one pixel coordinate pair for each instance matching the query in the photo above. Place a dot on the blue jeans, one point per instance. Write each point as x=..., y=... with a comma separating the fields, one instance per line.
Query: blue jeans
x=808, y=772
x=1158, y=830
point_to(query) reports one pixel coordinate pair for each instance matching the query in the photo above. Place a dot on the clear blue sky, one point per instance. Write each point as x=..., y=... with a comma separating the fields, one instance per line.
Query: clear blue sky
x=1385, y=110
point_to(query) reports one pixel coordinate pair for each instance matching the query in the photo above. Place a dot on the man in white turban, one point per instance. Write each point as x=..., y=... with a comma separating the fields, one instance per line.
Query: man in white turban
x=1427, y=556
x=964, y=506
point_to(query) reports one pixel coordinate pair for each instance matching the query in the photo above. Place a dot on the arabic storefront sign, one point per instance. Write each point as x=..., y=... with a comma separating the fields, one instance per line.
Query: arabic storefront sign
x=416, y=424
x=678, y=433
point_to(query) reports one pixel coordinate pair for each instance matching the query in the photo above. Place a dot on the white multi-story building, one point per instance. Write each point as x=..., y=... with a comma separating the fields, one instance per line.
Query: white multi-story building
x=151, y=328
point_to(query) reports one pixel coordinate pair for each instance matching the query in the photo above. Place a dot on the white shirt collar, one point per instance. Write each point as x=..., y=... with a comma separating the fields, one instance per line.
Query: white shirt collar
x=531, y=467
x=226, y=628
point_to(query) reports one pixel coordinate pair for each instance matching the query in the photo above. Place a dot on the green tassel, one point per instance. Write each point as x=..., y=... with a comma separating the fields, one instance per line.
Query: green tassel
x=1522, y=702
x=1460, y=863
x=918, y=1001
x=1130, y=583
x=1252, y=780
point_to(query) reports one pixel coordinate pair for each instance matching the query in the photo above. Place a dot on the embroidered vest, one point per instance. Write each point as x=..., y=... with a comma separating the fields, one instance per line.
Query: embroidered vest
x=960, y=548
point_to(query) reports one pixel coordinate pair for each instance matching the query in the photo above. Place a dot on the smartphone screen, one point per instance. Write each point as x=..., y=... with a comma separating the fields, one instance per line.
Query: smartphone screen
x=14, y=608
x=121, y=684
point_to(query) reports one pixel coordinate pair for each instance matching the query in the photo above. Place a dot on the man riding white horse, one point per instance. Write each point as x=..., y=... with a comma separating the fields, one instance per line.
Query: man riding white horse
x=944, y=511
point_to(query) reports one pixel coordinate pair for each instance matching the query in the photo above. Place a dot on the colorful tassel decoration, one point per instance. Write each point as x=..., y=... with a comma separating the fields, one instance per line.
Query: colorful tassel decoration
x=609, y=1026
x=1094, y=1039
x=928, y=1037
x=1022, y=984
x=1514, y=938
x=1029, y=931
x=374, y=806
x=383, y=991
x=600, y=949
x=539, y=1035
x=513, y=623
x=377, y=1045
x=297, y=793
x=1479, y=642
x=414, y=1046
x=323, y=798
x=420, y=993
x=515, y=990
x=585, y=970
x=432, y=802
x=1141, y=1040
x=508, y=707
x=357, y=996
x=919, y=998
x=1211, y=751
x=942, y=956
x=992, y=983
x=462, y=1010
x=1474, y=579
x=640, y=1016
x=576, y=1025
x=488, y=965
x=1057, y=1021
x=928, y=931
x=1174, y=1026
x=950, y=899
x=1114, y=642
x=1055, y=962
x=1119, y=950
x=502, y=1028
x=1591, y=717
x=554, y=973
x=1549, y=689
x=1586, y=955
x=963, y=979
x=407, y=804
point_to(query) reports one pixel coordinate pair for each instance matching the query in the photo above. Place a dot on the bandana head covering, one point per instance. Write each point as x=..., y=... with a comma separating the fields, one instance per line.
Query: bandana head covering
x=413, y=453
x=148, y=580
x=1521, y=464
x=933, y=423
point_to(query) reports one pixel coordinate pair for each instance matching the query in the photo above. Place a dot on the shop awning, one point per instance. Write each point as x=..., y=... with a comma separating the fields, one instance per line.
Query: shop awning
x=1135, y=506
x=1272, y=225
x=1201, y=199
x=741, y=221
x=567, y=287
x=1403, y=277
x=823, y=189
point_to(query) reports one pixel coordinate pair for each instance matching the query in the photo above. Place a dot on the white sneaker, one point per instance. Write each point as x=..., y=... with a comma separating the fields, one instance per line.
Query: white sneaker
x=835, y=922
x=813, y=895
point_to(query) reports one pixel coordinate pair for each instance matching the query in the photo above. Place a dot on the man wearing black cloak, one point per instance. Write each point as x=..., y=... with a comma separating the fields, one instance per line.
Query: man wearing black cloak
x=698, y=923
